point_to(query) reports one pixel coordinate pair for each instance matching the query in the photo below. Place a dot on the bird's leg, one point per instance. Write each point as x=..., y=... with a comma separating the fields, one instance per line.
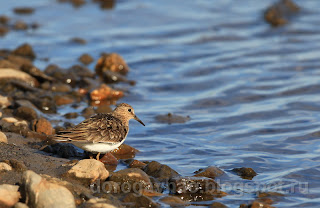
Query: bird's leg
x=98, y=155
x=91, y=157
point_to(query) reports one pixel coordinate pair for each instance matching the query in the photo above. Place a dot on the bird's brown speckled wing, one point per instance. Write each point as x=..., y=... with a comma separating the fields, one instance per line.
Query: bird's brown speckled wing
x=98, y=128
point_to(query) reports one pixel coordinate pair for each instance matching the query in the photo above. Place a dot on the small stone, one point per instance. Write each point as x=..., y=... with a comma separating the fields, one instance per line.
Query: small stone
x=109, y=159
x=4, y=19
x=209, y=172
x=3, y=30
x=89, y=170
x=25, y=50
x=173, y=201
x=9, y=195
x=78, y=40
x=257, y=204
x=98, y=203
x=40, y=193
x=124, y=149
x=113, y=62
x=20, y=25
x=64, y=150
x=42, y=125
x=12, y=74
x=71, y=115
x=3, y=138
x=159, y=171
x=133, y=178
x=4, y=102
x=137, y=164
x=17, y=165
x=4, y=167
x=63, y=100
x=86, y=59
x=105, y=92
x=172, y=118
x=245, y=173
x=140, y=201
x=23, y=10
x=26, y=113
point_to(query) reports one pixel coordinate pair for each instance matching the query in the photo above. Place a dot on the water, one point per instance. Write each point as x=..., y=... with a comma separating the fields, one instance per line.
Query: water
x=252, y=91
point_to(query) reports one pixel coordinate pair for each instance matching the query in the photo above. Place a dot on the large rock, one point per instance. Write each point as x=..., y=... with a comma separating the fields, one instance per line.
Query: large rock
x=9, y=195
x=42, y=194
x=159, y=171
x=113, y=62
x=88, y=171
x=131, y=179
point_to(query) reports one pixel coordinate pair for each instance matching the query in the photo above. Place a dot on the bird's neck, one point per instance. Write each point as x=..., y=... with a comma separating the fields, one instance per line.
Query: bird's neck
x=124, y=120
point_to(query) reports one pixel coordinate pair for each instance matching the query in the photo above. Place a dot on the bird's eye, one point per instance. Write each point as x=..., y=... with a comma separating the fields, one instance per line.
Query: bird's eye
x=129, y=110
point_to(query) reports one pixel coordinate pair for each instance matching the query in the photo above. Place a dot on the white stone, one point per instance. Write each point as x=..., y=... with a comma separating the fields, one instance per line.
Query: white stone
x=9, y=195
x=5, y=167
x=3, y=138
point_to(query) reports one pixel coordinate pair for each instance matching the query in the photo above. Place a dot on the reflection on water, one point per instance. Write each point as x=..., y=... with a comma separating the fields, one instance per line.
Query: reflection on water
x=252, y=91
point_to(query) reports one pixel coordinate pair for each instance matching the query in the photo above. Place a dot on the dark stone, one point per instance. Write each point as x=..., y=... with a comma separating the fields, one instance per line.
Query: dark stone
x=25, y=50
x=159, y=171
x=80, y=71
x=64, y=150
x=86, y=59
x=4, y=19
x=218, y=205
x=172, y=118
x=78, y=40
x=139, y=201
x=20, y=25
x=209, y=172
x=35, y=72
x=23, y=10
x=3, y=30
x=71, y=115
x=16, y=165
x=26, y=113
x=245, y=173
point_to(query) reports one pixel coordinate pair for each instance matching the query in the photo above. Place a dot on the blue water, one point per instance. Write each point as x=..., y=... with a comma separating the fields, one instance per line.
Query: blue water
x=252, y=91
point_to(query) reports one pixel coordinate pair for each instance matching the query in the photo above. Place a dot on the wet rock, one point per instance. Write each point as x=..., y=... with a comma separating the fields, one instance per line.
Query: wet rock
x=78, y=40
x=124, y=149
x=25, y=50
x=98, y=203
x=26, y=113
x=71, y=115
x=41, y=193
x=20, y=205
x=4, y=167
x=245, y=173
x=35, y=72
x=20, y=25
x=19, y=60
x=279, y=13
x=106, y=4
x=3, y=138
x=88, y=112
x=105, y=92
x=171, y=118
x=136, y=164
x=131, y=180
x=23, y=10
x=3, y=30
x=218, y=205
x=173, y=201
x=113, y=62
x=209, y=172
x=80, y=71
x=12, y=74
x=4, y=102
x=9, y=195
x=42, y=125
x=64, y=150
x=256, y=204
x=4, y=19
x=11, y=124
x=45, y=104
x=109, y=159
x=139, y=201
x=63, y=100
x=113, y=77
x=159, y=171
x=193, y=185
x=60, y=87
x=16, y=165
x=86, y=59
x=88, y=171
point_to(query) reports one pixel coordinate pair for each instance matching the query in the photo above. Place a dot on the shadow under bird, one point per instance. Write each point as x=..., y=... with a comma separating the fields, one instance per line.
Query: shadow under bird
x=100, y=133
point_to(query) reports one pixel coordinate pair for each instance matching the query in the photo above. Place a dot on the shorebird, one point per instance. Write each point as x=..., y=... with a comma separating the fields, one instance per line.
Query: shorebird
x=100, y=133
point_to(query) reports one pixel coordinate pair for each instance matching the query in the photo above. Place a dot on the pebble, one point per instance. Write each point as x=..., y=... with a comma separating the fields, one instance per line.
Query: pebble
x=4, y=167
x=124, y=149
x=109, y=159
x=42, y=125
x=12, y=74
x=98, y=203
x=26, y=113
x=88, y=171
x=23, y=10
x=42, y=194
x=173, y=201
x=105, y=92
x=217, y=205
x=71, y=115
x=63, y=100
x=159, y=171
x=9, y=195
x=86, y=59
x=140, y=201
x=20, y=25
x=25, y=50
x=172, y=118
x=4, y=102
x=245, y=173
x=113, y=62
x=20, y=205
x=3, y=138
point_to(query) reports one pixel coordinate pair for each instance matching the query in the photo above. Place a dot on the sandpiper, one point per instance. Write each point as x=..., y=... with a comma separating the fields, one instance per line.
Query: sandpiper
x=100, y=133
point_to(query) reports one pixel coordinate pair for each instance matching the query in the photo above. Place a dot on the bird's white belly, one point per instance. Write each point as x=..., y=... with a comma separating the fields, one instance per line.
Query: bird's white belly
x=98, y=147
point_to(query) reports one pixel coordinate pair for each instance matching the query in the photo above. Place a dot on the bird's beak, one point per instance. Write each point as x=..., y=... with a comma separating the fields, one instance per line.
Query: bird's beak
x=137, y=119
